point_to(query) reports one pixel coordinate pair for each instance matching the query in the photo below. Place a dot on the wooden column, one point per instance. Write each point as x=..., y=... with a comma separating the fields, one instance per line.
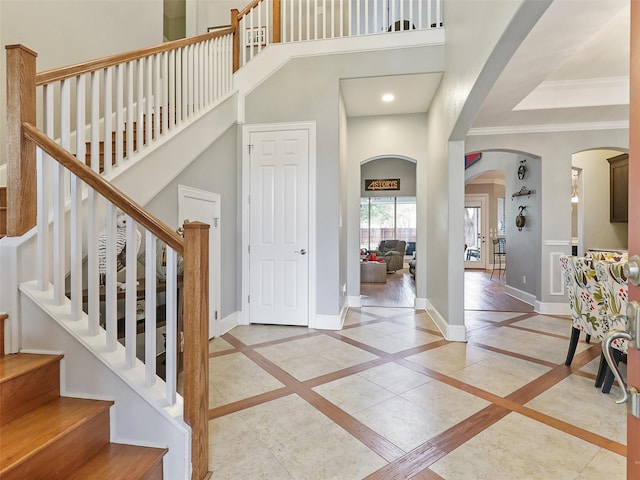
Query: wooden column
x=21, y=153
x=276, y=21
x=196, y=341
x=235, y=22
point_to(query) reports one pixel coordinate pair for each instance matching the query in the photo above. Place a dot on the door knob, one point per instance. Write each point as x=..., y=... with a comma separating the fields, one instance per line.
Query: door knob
x=301, y=251
x=631, y=270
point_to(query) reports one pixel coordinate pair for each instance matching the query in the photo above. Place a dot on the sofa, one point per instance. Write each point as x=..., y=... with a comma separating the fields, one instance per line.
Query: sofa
x=393, y=253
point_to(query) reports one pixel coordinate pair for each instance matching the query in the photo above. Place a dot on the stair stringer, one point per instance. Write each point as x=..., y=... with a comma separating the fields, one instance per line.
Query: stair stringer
x=141, y=416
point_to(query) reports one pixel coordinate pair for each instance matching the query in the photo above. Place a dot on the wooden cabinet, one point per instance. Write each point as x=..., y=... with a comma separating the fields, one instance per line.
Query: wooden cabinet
x=619, y=188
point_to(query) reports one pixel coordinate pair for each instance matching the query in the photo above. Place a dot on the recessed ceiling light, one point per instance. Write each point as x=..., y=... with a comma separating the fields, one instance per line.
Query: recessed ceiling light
x=388, y=97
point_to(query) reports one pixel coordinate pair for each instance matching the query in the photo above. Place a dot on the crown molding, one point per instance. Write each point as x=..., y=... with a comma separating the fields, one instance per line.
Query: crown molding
x=550, y=128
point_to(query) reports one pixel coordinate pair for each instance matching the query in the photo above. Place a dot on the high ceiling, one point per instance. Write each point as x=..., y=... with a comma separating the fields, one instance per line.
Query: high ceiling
x=571, y=72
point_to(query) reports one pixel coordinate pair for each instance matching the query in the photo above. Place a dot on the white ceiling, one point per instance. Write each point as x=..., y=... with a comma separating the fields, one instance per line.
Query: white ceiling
x=571, y=70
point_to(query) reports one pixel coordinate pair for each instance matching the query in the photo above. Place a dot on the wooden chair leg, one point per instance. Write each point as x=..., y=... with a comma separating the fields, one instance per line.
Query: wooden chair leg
x=603, y=369
x=573, y=343
x=608, y=379
x=588, y=338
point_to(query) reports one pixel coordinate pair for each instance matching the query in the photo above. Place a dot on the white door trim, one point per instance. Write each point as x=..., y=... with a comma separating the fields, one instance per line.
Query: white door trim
x=247, y=130
x=185, y=191
x=483, y=200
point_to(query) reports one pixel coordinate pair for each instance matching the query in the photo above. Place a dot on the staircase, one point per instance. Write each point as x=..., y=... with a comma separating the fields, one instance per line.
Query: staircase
x=44, y=435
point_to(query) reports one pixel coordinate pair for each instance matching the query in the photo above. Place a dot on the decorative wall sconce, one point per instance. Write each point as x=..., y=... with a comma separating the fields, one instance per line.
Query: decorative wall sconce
x=522, y=170
x=521, y=220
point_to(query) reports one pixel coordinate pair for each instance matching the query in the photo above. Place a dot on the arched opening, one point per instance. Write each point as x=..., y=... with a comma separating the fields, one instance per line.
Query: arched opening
x=387, y=231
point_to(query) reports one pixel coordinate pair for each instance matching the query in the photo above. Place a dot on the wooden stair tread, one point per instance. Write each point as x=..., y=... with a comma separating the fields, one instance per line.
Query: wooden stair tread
x=120, y=462
x=14, y=365
x=35, y=430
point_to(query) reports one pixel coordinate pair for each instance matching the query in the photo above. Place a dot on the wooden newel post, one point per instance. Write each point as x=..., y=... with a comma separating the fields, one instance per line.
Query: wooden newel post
x=276, y=21
x=21, y=153
x=235, y=23
x=196, y=341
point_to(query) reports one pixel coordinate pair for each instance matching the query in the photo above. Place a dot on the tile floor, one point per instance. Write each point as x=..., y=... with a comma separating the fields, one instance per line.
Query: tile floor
x=388, y=398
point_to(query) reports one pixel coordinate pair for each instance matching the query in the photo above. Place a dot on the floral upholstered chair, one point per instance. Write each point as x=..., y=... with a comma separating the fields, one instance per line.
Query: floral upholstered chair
x=597, y=295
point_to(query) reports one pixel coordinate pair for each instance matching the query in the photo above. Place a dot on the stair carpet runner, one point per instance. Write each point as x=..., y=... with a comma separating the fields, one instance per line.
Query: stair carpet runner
x=46, y=436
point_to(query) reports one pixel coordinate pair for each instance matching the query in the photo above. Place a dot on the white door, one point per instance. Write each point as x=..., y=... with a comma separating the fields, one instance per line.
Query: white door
x=202, y=206
x=279, y=227
x=475, y=232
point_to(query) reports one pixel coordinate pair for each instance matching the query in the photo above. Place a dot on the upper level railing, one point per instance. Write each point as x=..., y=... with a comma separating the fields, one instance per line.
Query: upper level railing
x=264, y=22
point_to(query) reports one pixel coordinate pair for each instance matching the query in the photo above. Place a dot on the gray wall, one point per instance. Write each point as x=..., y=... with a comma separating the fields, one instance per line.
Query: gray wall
x=389, y=168
x=523, y=246
x=308, y=89
x=555, y=151
x=216, y=170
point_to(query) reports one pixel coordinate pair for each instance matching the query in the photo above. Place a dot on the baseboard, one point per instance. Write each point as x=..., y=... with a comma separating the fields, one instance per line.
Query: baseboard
x=227, y=323
x=453, y=333
x=329, y=322
x=354, y=301
x=520, y=295
x=548, y=308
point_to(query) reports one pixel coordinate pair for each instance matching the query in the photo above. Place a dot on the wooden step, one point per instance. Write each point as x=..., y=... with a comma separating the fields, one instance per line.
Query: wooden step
x=27, y=382
x=54, y=440
x=121, y=462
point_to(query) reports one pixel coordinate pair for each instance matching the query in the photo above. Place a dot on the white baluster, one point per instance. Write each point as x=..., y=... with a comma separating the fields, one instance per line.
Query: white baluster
x=130, y=67
x=299, y=20
x=358, y=15
x=166, y=80
x=131, y=297
x=149, y=118
x=158, y=94
x=107, y=117
x=172, y=101
x=93, y=288
x=186, y=106
x=120, y=113
x=438, y=13
x=44, y=193
x=172, y=338
x=150, y=309
x=366, y=16
x=260, y=28
x=95, y=122
x=141, y=141
x=111, y=287
x=76, y=208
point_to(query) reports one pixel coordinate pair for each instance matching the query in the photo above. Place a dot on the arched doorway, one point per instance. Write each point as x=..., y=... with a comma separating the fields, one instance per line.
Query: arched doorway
x=387, y=231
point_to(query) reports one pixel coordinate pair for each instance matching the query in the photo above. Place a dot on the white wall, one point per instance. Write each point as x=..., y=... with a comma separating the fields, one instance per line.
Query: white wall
x=66, y=32
x=593, y=209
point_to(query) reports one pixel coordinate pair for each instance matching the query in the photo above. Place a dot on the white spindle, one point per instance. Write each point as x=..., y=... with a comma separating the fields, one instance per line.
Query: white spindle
x=119, y=127
x=93, y=289
x=349, y=23
x=130, y=67
x=149, y=100
x=59, y=230
x=199, y=77
x=158, y=94
x=324, y=19
x=178, y=89
x=150, y=309
x=42, y=165
x=299, y=37
x=44, y=194
x=76, y=208
x=366, y=16
x=252, y=34
x=171, y=326
x=267, y=16
x=107, y=117
x=94, y=158
x=374, y=26
x=421, y=14
x=333, y=18
x=259, y=28
x=171, y=106
x=207, y=68
x=392, y=20
x=139, y=128
x=358, y=16
x=110, y=284
x=314, y=14
x=166, y=80
x=291, y=17
x=185, y=83
x=402, y=15
x=190, y=80
x=131, y=297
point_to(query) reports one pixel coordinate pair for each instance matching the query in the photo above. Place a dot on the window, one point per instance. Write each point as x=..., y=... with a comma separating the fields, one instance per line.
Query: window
x=387, y=218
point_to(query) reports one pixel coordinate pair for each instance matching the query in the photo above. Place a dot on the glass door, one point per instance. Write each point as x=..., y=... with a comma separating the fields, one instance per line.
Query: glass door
x=475, y=225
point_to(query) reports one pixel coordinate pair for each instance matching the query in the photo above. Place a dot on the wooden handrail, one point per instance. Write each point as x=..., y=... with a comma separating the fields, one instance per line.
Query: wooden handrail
x=104, y=188
x=248, y=8
x=105, y=62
